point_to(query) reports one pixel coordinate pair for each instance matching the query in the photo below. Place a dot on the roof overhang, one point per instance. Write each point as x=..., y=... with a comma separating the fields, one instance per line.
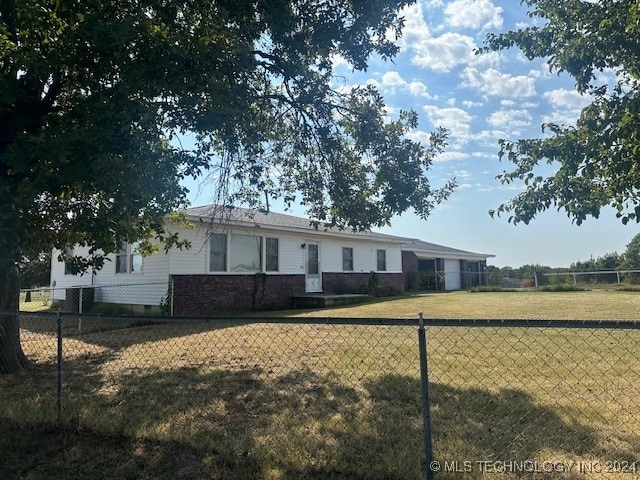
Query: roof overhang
x=364, y=236
x=433, y=254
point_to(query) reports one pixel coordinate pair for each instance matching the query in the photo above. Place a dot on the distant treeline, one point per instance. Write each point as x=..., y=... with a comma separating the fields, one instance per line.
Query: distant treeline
x=628, y=260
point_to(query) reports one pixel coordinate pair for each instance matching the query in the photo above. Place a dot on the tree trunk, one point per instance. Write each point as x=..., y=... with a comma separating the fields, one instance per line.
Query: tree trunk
x=12, y=359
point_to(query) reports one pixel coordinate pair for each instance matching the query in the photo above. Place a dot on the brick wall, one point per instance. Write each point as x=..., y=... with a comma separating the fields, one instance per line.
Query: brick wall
x=206, y=295
x=409, y=264
x=338, y=283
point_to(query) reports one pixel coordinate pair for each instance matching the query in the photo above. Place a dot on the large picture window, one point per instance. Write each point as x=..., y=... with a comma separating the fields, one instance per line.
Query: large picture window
x=347, y=259
x=245, y=254
x=218, y=252
x=272, y=254
x=236, y=253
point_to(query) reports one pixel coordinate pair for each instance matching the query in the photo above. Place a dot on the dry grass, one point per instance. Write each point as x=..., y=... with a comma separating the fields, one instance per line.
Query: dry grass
x=527, y=304
x=280, y=401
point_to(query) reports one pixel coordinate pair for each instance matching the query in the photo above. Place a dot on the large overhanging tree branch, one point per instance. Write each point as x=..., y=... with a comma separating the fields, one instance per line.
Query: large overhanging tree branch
x=94, y=96
x=597, y=162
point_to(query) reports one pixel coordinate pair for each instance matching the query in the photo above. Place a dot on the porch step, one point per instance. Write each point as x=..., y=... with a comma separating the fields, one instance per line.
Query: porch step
x=322, y=300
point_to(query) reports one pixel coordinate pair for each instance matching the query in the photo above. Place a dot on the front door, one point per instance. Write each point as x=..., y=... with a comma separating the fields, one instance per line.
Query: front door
x=313, y=271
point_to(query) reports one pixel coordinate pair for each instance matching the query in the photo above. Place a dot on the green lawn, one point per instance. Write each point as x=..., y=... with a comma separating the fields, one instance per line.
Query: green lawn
x=286, y=401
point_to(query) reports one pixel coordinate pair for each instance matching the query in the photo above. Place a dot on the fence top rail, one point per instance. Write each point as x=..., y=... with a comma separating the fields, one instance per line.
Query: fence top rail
x=412, y=322
x=588, y=272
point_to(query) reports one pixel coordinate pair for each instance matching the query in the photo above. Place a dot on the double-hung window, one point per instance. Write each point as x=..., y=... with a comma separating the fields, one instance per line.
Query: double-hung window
x=381, y=257
x=272, y=254
x=129, y=259
x=218, y=252
x=347, y=259
x=68, y=255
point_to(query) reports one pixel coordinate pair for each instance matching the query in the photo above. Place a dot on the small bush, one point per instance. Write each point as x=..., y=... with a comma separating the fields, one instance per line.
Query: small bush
x=387, y=291
x=491, y=288
x=413, y=281
x=629, y=288
x=562, y=288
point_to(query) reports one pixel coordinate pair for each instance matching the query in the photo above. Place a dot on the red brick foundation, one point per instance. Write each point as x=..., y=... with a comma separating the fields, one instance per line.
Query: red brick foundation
x=382, y=283
x=208, y=295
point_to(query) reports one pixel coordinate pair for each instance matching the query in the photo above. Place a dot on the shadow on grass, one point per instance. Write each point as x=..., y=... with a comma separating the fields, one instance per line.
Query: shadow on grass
x=119, y=333
x=251, y=423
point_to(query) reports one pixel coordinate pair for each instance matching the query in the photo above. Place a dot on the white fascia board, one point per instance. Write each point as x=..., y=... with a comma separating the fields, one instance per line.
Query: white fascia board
x=303, y=231
x=432, y=254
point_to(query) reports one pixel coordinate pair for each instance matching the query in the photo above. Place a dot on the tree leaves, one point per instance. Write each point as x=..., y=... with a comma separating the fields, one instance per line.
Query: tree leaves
x=94, y=92
x=596, y=162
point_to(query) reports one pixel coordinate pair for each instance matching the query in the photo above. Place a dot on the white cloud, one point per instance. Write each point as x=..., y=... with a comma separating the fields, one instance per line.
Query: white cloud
x=475, y=14
x=510, y=120
x=455, y=120
x=564, y=99
x=462, y=173
x=566, y=106
x=453, y=155
x=439, y=53
x=394, y=82
x=495, y=83
x=448, y=51
x=469, y=103
x=338, y=60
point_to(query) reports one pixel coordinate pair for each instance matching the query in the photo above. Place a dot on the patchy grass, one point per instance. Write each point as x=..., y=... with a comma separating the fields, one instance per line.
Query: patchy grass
x=40, y=301
x=529, y=304
x=237, y=400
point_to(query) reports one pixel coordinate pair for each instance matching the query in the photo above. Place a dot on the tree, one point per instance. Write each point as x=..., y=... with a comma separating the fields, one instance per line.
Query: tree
x=597, y=162
x=35, y=272
x=631, y=259
x=96, y=95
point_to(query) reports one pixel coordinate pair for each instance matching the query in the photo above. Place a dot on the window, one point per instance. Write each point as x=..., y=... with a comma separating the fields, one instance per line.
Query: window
x=129, y=259
x=272, y=252
x=218, y=252
x=135, y=259
x=381, y=256
x=245, y=254
x=313, y=259
x=347, y=259
x=68, y=255
x=121, y=261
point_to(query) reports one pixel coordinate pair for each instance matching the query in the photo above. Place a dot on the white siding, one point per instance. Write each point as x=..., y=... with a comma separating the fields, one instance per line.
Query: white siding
x=196, y=259
x=291, y=254
x=452, y=274
x=145, y=288
x=364, y=255
x=193, y=260
x=63, y=281
x=150, y=286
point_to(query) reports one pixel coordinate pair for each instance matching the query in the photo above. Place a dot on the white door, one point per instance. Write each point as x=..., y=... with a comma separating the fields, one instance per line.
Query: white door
x=452, y=275
x=312, y=271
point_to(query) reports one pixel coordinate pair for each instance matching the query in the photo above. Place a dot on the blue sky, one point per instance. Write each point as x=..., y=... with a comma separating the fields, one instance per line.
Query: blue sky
x=480, y=99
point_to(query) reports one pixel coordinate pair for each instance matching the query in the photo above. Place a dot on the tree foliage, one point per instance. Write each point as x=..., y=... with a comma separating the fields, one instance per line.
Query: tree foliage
x=597, y=162
x=95, y=97
x=35, y=272
x=94, y=92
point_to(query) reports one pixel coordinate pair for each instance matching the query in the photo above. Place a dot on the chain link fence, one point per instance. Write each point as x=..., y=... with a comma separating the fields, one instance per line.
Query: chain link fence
x=149, y=298
x=346, y=398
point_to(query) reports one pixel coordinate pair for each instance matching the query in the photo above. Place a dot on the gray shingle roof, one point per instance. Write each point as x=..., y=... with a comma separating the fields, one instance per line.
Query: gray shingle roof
x=246, y=216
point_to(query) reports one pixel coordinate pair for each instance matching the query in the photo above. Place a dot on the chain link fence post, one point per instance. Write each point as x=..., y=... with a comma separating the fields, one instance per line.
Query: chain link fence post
x=426, y=407
x=59, y=366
